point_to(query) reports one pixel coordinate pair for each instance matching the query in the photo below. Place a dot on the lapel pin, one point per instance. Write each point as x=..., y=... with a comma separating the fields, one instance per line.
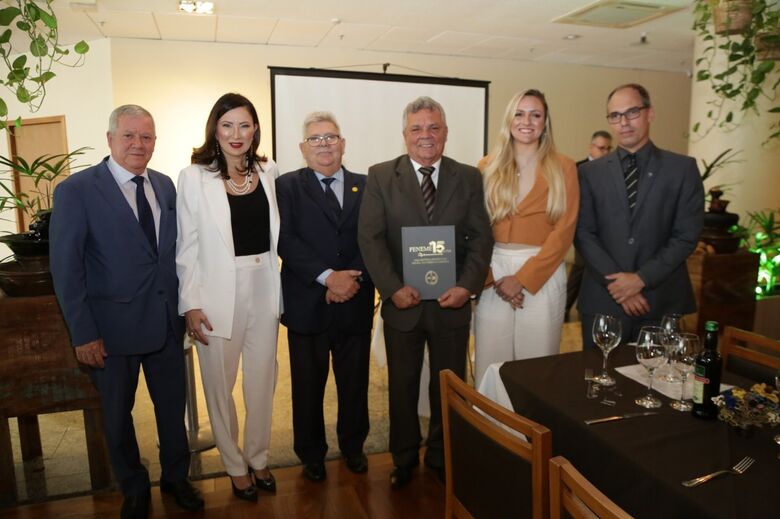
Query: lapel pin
x=354, y=189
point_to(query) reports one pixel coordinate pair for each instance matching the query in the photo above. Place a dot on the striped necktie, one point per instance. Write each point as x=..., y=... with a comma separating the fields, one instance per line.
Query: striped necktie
x=632, y=180
x=428, y=191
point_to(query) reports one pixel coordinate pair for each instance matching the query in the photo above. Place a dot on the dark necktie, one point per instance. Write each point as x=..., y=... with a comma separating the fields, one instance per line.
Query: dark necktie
x=428, y=191
x=145, y=217
x=632, y=179
x=330, y=196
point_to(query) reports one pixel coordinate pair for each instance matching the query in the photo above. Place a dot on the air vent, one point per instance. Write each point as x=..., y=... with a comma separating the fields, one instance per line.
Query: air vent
x=620, y=13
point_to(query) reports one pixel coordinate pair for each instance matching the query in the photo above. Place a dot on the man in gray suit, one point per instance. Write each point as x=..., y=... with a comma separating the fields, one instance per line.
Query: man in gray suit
x=641, y=213
x=423, y=188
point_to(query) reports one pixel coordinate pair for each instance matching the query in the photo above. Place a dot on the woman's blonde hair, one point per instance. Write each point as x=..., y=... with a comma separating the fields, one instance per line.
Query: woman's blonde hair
x=500, y=178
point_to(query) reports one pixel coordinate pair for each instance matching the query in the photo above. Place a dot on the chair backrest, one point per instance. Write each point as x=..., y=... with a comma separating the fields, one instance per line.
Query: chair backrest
x=496, y=461
x=750, y=354
x=571, y=492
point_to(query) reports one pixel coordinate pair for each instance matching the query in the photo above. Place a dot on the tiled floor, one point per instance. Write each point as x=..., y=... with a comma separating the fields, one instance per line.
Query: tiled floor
x=64, y=469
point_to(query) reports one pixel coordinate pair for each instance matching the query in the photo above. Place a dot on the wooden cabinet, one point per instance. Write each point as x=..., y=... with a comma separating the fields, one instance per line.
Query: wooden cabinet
x=39, y=374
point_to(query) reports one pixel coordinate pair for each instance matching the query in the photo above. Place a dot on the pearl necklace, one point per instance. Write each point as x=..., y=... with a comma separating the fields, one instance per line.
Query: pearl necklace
x=243, y=188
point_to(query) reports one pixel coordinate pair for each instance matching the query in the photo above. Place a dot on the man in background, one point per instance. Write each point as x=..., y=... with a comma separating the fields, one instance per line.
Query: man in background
x=113, y=245
x=600, y=145
x=641, y=213
x=423, y=188
x=330, y=296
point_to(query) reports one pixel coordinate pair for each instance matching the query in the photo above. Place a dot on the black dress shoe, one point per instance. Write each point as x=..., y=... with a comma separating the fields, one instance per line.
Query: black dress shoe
x=314, y=471
x=400, y=477
x=439, y=471
x=136, y=506
x=268, y=484
x=247, y=494
x=357, y=463
x=187, y=496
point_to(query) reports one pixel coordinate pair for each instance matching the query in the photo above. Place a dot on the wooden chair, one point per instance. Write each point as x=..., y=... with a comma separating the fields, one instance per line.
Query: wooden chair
x=496, y=461
x=750, y=354
x=572, y=493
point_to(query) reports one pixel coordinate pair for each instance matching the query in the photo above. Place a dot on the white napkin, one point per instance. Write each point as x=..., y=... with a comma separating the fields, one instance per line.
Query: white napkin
x=638, y=373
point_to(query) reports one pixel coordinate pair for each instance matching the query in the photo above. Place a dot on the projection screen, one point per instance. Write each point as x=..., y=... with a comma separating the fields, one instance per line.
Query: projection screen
x=369, y=108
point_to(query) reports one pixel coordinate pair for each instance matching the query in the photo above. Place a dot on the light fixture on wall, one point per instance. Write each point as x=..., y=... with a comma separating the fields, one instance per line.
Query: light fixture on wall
x=196, y=7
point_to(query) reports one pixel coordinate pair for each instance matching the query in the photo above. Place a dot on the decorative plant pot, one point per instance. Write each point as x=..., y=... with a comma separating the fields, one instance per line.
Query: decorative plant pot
x=28, y=274
x=732, y=16
x=767, y=46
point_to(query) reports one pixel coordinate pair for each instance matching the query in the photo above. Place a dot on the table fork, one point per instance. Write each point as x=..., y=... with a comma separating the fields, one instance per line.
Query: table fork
x=739, y=468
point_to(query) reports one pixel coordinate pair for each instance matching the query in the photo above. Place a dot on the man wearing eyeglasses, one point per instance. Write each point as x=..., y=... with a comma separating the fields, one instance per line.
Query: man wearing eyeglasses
x=641, y=213
x=330, y=298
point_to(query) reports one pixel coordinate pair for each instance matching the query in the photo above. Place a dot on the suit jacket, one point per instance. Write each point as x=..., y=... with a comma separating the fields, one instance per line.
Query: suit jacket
x=393, y=199
x=654, y=240
x=205, y=256
x=312, y=240
x=109, y=281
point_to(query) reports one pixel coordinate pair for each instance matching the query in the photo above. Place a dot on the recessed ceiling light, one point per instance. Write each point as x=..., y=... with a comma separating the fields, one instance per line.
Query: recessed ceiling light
x=572, y=37
x=196, y=7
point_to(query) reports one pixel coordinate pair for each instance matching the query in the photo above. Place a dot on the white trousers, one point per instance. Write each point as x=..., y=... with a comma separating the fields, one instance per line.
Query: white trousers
x=504, y=334
x=255, y=330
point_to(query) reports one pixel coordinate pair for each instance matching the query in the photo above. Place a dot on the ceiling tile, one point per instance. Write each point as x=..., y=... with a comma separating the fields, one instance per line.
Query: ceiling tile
x=187, y=27
x=353, y=35
x=126, y=24
x=299, y=32
x=237, y=29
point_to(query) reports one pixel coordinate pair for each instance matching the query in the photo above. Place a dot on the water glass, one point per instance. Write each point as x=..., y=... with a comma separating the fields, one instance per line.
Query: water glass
x=651, y=353
x=607, y=331
x=683, y=349
x=672, y=325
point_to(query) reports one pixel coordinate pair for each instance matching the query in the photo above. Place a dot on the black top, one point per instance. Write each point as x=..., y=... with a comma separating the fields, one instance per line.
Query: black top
x=251, y=223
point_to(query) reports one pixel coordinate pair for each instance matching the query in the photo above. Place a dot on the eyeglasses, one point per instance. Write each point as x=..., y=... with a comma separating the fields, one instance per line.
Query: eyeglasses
x=631, y=113
x=605, y=149
x=317, y=140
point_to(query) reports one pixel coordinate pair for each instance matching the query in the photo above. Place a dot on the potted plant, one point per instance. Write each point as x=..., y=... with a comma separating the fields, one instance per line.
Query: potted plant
x=731, y=16
x=762, y=236
x=730, y=62
x=768, y=41
x=29, y=266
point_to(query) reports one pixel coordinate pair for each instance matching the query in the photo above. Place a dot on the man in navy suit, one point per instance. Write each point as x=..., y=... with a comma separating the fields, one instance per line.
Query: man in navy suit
x=331, y=298
x=113, y=242
x=641, y=213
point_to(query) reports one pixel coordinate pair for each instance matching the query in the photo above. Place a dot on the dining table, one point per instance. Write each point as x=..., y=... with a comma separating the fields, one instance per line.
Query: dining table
x=640, y=462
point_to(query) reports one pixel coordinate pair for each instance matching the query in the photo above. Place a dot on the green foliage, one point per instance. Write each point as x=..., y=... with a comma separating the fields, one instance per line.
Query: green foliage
x=43, y=171
x=743, y=80
x=29, y=73
x=762, y=236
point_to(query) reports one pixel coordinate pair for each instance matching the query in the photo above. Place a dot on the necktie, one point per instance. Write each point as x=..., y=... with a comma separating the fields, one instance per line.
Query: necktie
x=428, y=191
x=145, y=217
x=330, y=196
x=632, y=178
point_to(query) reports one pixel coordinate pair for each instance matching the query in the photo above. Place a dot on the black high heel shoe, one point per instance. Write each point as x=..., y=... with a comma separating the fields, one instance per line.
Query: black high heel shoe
x=247, y=494
x=268, y=484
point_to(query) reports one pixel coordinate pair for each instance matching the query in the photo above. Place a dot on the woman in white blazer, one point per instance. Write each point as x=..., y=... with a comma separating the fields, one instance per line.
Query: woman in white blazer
x=229, y=286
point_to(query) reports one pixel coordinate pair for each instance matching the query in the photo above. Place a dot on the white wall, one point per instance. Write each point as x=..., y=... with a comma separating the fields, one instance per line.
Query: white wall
x=179, y=82
x=754, y=181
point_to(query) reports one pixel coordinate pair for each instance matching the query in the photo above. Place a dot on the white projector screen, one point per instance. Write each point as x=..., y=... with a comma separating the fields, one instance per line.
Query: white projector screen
x=369, y=108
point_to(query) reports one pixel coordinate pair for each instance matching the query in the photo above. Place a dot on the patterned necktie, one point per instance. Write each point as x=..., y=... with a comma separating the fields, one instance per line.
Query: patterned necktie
x=331, y=197
x=632, y=178
x=428, y=191
x=145, y=217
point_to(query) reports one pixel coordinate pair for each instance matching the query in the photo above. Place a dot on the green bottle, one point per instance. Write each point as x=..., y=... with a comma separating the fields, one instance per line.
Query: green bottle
x=707, y=371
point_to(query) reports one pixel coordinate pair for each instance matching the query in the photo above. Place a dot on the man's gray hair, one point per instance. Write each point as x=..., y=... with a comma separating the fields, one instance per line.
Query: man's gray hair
x=129, y=110
x=423, y=103
x=320, y=117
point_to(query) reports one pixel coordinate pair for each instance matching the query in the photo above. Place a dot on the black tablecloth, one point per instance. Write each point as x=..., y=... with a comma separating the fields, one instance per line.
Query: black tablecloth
x=640, y=462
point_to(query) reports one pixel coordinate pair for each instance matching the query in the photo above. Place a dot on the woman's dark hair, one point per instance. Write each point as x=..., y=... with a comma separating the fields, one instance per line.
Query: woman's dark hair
x=209, y=153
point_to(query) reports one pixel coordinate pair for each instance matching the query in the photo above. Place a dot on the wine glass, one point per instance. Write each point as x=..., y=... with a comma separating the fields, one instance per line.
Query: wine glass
x=672, y=325
x=683, y=349
x=607, y=331
x=651, y=353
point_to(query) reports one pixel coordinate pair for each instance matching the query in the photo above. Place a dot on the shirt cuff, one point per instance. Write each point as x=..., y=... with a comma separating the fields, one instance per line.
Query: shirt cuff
x=322, y=277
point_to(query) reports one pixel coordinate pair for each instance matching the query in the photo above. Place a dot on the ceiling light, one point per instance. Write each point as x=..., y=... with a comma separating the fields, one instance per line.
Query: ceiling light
x=196, y=7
